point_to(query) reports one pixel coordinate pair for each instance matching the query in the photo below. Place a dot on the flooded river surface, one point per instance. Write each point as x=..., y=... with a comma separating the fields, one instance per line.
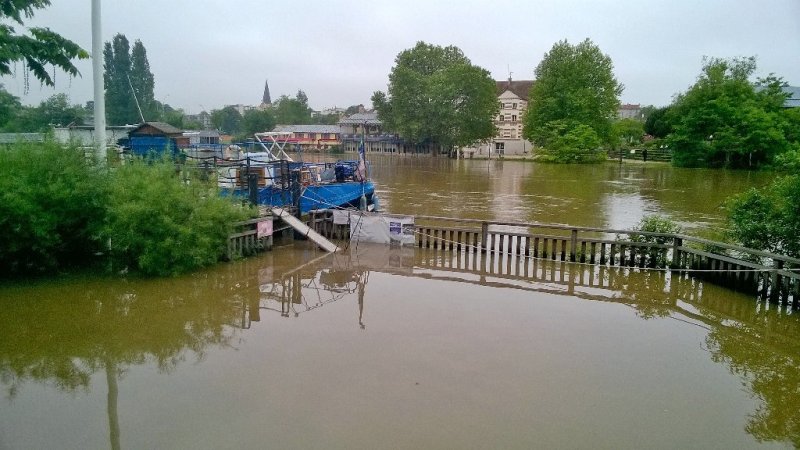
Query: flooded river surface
x=404, y=348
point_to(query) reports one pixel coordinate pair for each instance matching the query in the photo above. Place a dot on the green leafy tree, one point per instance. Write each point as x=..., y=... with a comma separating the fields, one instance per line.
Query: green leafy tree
x=54, y=111
x=10, y=107
x=726, y=120
x=228, y=120
x=436, y=95
x=571, y=144
x=575, y=85
x=57, y=111
x=768, y=218
x=37, y=49
x=51, y=208
x=161, y=225
x=143, y=81
x=256, y=121
x=791, y=124
x=628, y=131
x=126, y=69
x=353, y=109
x=659, y=122
x=325, y=119
x=175, y=117
x=292, y=111
x=120, y=105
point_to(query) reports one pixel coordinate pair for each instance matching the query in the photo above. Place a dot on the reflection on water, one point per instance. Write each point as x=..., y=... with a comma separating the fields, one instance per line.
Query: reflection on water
x=419, y=348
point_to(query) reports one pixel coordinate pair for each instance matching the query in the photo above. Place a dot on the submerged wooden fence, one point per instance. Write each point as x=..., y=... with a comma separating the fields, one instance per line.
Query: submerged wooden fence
x=245, y=241
x=770, y=276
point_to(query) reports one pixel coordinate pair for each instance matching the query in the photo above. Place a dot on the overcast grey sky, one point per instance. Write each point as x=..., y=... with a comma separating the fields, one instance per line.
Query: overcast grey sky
x=209, y=53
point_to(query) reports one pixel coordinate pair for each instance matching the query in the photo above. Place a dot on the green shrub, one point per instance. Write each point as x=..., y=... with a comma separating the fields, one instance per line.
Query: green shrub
x=163, y=224
x=768, y=218
x=655, y=224
x=790, y=160
x=576, y=144
x=51, y=207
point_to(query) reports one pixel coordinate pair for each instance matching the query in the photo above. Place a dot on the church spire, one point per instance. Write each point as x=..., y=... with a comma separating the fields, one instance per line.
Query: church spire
x=266, y=100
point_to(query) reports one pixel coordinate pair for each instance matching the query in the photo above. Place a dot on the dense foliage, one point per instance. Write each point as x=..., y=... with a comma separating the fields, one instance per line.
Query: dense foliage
x=162, y=224
x=126, y=70
x=51, y=208
x=437, y=96
x=292, y=110
x=53, y=111
x=36, y=49
x=725, y=120
x=628, y=131
x=58, y=211
x=575, y=87
x=659, y=122
x=768, y=218
x=571, y=144
x=655, y=224
x=227, y=120
x=256, y=121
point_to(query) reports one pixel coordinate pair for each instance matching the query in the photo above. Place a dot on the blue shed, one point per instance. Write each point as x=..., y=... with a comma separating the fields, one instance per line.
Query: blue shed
x=154, y=138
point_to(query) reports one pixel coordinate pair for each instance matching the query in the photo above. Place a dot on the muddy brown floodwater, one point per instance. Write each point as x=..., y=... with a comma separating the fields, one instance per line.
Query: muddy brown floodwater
x=404, y=348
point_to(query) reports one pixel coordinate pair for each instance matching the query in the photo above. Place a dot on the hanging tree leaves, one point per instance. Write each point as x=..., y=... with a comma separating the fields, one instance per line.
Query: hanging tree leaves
x=38, y=49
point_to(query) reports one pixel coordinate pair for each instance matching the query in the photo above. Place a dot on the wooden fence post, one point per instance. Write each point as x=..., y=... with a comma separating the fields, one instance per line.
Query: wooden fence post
x=573, y=245
x=676, y=254
x=484, y=236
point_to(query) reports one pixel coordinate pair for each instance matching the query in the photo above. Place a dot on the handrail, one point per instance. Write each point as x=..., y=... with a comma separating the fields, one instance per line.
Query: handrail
x=672, y=236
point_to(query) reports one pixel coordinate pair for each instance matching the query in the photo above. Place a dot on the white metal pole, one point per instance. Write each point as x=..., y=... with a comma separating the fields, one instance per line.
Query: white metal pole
x=99, y=89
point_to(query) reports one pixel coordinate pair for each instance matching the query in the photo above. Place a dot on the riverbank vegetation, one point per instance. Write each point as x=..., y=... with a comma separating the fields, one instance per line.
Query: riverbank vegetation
x=437, y=97
x=573, y=103
x=59, y=211
x=725, y=120
x=768, y=218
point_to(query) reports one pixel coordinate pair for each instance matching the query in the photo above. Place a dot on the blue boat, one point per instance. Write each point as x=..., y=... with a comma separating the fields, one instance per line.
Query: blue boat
x=272, y=178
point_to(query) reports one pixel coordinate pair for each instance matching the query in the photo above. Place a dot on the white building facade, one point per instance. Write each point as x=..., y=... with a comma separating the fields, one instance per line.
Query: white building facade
x=512, y=97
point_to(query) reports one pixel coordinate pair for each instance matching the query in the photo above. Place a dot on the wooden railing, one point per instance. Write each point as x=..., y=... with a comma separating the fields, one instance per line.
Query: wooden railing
x=245, y=241
x=772, y=276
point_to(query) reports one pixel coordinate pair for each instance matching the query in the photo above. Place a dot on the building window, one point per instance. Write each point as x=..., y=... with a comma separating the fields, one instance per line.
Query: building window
x=499, y=145
x=514, y=106
x=514, y=117
x=501, y=105
x=501, y=117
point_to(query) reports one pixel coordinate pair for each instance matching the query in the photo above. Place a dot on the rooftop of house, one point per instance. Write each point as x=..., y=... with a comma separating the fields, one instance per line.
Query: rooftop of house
x=306, y=129
x=519, y=87
x=629, y=106
x=160, y=126
x=370, y=118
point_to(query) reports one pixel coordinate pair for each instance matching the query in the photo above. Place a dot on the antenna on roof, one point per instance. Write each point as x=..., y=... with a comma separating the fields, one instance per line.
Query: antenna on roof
x=509, y=72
